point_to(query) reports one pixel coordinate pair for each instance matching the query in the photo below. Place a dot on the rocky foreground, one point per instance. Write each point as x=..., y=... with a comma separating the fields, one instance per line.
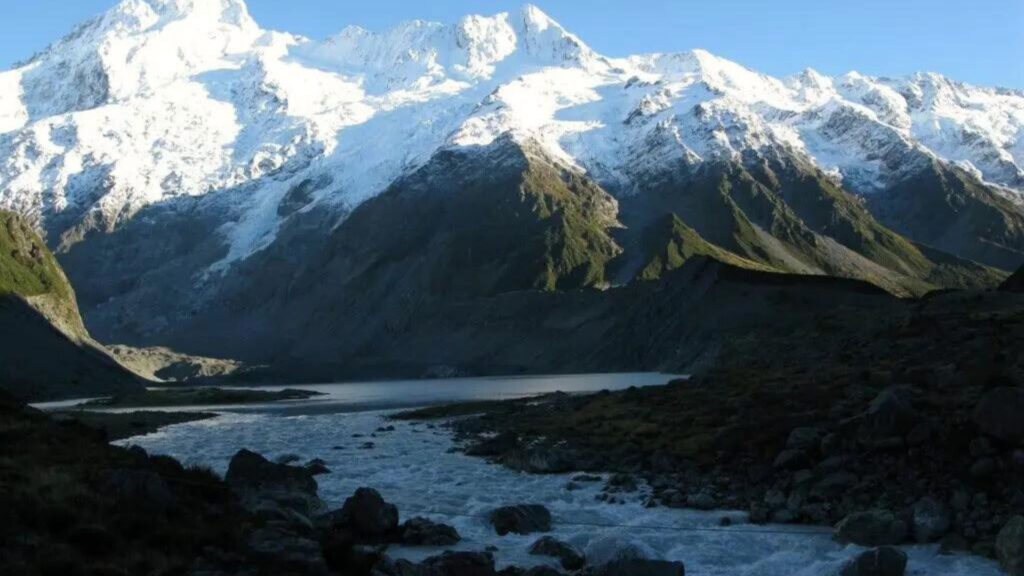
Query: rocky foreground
x=906, y=429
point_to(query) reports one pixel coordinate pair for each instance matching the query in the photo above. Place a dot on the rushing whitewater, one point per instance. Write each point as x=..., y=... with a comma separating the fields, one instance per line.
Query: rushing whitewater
x=415, y=468
x=160, y=99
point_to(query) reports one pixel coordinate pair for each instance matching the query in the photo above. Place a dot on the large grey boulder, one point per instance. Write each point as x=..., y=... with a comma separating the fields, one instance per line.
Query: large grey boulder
x=521, y=519
x=1010, y=546
x=999, y=414
x=885, y=561
x=871, y=528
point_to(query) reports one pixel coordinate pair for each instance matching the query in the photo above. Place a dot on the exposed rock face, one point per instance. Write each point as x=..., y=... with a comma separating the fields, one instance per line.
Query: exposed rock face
x=257, y=481
x=883, y=561
x=567, y=555
x=999, y=414
x=521, y=519
x=1010, y=546
x=871, y=528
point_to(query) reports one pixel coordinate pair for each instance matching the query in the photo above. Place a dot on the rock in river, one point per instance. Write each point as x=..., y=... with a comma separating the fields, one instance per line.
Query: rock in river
x=568, y=556
x=521, y=519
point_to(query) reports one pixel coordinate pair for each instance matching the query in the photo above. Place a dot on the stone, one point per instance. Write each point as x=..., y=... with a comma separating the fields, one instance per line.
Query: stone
x=639, y=567
x=424, y=532
x=460, y=564
x=255, y=479
x=521, y=519
x=871, y=528
x=803, y=439
x=890, y=414
x=983, y=468
x=568, y=556
x=791, y=459
x=368, y=515
x=884, y=561
x=931, y=520
x=998, y=414
x=1010, y=546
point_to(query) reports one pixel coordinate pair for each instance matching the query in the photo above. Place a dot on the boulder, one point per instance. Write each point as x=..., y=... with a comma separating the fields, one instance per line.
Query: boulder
x=568, y=556
x=459, y=564
x=255, y=479
x=804, y=439
x=884, y=561
x=369, y=517
x=998, y=414
x=871, y=528
x=1010, y=546
x=890, y=414
x=521, y=519
x=424, y=532
x=286, y=545
x=931, y=520
x=638, y=567
x=614, y=548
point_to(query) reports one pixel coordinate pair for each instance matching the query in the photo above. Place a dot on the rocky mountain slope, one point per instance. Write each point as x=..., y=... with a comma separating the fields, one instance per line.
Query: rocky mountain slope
x=45, y=352
x=190, y=167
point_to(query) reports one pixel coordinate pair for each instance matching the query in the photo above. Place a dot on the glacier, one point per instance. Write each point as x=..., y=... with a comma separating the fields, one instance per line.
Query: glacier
x=162, y=99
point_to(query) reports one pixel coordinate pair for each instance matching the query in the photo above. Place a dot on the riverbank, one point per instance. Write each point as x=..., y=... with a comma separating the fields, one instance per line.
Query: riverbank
x=910, y=426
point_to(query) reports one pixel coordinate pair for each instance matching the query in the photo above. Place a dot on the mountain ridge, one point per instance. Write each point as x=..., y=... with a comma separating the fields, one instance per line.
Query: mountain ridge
x=253, y=154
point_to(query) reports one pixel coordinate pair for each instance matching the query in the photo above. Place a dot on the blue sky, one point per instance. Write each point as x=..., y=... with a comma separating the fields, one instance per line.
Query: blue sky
x=978, y=41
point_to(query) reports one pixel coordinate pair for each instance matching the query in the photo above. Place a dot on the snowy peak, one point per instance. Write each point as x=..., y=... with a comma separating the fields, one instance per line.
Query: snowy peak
x=423, y=53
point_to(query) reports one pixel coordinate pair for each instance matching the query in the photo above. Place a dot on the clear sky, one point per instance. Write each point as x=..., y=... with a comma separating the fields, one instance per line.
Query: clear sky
x=977, y=41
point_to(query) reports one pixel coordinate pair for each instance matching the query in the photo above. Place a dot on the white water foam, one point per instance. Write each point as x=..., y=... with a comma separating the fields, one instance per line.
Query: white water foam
x=415, y=468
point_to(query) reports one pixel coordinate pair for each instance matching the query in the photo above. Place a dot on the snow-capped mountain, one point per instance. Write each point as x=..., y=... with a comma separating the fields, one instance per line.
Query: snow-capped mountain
x=215, y=186
x=163, y=98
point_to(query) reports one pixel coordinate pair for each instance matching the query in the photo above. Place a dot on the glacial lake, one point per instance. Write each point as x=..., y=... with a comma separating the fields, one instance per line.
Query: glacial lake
x=416, y=468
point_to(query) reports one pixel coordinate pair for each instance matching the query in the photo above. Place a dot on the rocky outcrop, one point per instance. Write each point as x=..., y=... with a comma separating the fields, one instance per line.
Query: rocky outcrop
x=367, y=516
x=1014, y=283
x=521, y=519
x=885, y=561
x=260, y=483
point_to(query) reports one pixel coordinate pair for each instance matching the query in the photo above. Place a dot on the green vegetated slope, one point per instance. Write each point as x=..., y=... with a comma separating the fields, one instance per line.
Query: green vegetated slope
x=45, y=351
x=786, y=215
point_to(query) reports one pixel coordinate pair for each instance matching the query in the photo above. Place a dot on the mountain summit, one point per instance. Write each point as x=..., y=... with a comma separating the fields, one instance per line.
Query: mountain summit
x=169, y=150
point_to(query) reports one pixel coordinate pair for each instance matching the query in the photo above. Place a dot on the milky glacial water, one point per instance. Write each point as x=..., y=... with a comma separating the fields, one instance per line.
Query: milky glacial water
x=416, y=468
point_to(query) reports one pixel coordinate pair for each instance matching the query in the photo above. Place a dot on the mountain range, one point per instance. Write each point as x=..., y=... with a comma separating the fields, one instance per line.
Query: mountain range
x=232, y=191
